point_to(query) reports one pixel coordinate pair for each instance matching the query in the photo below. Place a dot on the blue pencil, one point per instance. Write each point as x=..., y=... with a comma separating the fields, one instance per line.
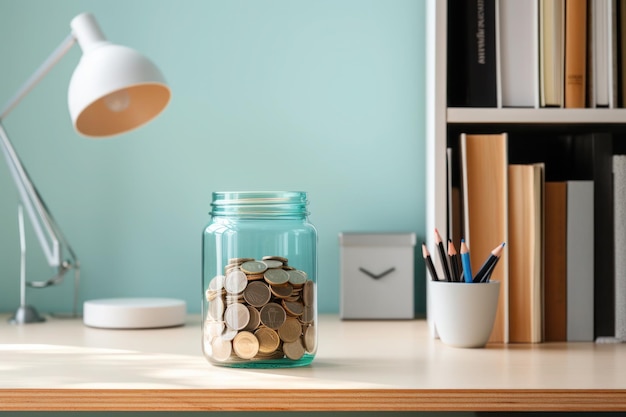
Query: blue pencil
x=465, y=261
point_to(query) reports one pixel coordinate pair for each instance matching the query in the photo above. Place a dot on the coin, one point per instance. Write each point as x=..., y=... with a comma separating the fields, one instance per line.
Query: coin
x=254, y=277
x=268, y=340
x=235, y=281
x=297, y=277
x=257, y=294
x=237, y=316
x=255, y=319
x=220, y=349
x=239, y=261
x=281, y=291
x=308, y=293
x=253, y=267
x=245, y=345
x=308, y=315
x=216, y=283
x=273, y=263
x=276, y=258
x=276, y=276
x=228, y=333
x=273, y=315
x=290, y=330
x=216, y=309
x=310, y=339
x=294, y=350
x=213, y=329
x=293, y=308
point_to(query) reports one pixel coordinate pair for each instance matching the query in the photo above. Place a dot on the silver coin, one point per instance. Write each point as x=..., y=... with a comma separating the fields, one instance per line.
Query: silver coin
x=297, y=277
x=237, y=316
x=276, y=276
x=253, y=267
x=273, y=263
x=235, y=281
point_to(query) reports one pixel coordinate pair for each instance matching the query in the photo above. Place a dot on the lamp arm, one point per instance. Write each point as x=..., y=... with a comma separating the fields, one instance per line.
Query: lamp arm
x=47, y=231
x=39, y=74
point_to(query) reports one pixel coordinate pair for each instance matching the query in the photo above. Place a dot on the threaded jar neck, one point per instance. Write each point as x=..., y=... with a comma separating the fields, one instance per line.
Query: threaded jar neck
x=260, y=204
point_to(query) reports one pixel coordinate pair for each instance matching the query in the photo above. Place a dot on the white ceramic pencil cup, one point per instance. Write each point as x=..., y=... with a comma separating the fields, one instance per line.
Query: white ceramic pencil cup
x=464, y=313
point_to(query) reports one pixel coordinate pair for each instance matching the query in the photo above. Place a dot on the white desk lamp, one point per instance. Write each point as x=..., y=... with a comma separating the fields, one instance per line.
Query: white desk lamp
x=114, y=89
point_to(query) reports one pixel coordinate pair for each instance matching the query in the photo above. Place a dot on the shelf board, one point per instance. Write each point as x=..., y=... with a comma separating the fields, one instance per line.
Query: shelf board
x=470, y=115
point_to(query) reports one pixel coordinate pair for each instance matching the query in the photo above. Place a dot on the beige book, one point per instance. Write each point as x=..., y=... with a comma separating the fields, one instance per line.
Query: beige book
x=526, y=253
x=485, y=209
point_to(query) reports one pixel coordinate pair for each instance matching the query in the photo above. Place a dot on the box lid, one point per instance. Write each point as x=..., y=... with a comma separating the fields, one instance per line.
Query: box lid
x=376, y=239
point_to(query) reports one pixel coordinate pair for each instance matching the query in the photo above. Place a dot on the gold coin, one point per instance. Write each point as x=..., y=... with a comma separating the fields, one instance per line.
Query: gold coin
x=253, y=267
x=291, y=330
x=245, y=345
x=268, y=340
x=308, y=315
x=294, y=350
x=308, y=293
x=276, y=258
x=276, y=276
x=281, y=291
x=237, y=316
x=310, y=339
x=239, y=261
x=257, y=294
x=235, y=281
x=273, y=315
x=293, y=308
x=255, y=319
x=220, y=349
x=297, y=277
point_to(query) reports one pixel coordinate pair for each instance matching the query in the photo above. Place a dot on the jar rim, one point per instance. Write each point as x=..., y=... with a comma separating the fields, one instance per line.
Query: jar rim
x=260, y=203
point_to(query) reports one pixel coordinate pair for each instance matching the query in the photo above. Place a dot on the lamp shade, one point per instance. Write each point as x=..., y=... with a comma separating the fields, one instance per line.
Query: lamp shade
x=114, y=88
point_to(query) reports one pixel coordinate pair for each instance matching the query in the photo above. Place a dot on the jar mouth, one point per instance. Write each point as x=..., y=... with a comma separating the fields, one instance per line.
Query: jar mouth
x=260, y=203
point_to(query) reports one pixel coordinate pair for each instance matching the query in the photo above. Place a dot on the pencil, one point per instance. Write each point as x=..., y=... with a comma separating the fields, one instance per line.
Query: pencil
x=429, y=263
x=454, y=262
x=493, y=258
x=490, y=270
x=465, y=260
x=442, y=256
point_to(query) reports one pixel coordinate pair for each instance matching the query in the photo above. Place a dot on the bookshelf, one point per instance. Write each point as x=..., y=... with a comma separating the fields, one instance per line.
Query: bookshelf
x=444, y=122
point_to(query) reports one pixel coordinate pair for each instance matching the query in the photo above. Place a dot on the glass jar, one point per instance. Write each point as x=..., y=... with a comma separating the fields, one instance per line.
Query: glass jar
x=259, y=274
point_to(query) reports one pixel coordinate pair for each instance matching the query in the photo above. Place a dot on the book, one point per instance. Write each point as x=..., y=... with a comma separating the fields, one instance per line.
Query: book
x=481, y=56
x=580, y=261
x=518, y=43
x=457, y=80
x=619, y=195
x=575, y=53
x=603, y=42
x=484, y=172
x=555, y=262
x=551, y=52
x=526, y=228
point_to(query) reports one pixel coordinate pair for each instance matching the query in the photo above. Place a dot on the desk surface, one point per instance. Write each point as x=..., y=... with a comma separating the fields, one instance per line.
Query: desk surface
x=360, y=365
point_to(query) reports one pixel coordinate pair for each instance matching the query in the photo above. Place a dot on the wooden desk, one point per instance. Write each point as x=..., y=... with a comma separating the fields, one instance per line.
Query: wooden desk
x=361, y=365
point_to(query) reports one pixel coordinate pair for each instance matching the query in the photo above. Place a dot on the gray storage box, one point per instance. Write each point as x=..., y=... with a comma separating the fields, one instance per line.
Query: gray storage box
x=377, y=275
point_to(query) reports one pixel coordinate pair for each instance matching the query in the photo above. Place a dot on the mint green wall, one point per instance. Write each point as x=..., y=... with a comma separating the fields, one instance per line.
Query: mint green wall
x=325, y=96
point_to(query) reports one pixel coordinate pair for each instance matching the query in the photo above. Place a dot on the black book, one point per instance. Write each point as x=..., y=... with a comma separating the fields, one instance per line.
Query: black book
x=481, y=53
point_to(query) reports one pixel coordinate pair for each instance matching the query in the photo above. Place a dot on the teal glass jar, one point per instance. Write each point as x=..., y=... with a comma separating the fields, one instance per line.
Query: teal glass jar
x=259, y=279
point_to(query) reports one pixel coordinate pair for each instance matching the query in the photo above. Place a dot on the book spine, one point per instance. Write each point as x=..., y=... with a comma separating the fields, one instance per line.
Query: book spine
x=481, y=49
x=580, y=265
x=457, y=78
x=619, y=194
x=575, y=53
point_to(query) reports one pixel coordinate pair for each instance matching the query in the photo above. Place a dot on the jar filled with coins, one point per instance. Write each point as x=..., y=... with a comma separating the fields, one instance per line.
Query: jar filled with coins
x=259, y=277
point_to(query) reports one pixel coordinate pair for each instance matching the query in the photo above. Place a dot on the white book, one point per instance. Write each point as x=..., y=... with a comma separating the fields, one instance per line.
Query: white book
x=518, y=38
x=619, y=212
x=603, y=53
x=580, y=247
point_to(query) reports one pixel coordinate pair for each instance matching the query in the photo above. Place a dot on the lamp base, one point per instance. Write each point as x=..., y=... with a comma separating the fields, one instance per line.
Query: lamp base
x=134, y=313
x=26, y=314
